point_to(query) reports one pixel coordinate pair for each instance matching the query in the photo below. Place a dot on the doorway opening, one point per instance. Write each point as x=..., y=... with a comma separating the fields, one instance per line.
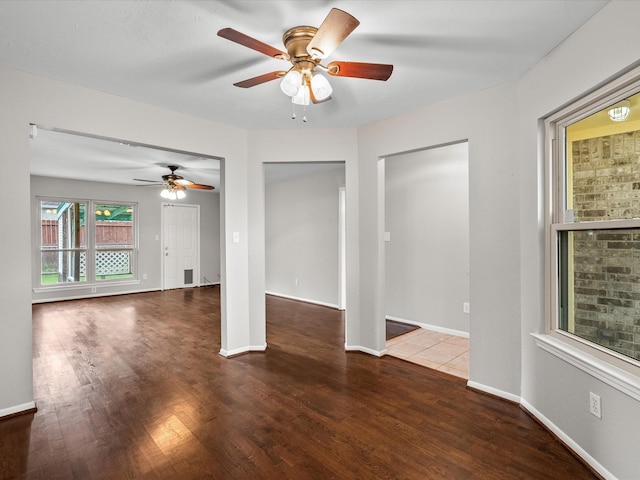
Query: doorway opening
x=118, y=183
x=305, y=239
x=427, y=255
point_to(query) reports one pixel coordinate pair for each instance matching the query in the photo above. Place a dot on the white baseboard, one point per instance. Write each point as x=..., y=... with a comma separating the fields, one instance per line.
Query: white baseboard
x=494, y=391
x=360, y=348
x=238, y=351
x=92, y=295
x=577, y=449
x=306, y=300
x=435, y=328
x=16, y=409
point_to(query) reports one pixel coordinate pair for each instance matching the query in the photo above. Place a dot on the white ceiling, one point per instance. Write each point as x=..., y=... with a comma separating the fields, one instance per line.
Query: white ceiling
x=64, y=155
x=167, y=53
x=59, y=154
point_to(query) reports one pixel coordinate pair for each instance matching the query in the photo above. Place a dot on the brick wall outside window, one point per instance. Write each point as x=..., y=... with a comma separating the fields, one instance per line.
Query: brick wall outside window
x=606, y=263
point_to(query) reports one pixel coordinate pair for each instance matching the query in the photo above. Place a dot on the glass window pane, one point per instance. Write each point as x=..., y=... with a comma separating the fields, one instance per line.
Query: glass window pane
x=115, y=239
x=600, y=287
x=63, y=242
x=114, y=264
x=63, y=266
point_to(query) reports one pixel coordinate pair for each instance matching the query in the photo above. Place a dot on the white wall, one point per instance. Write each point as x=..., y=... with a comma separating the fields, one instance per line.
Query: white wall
x=494, y=255
x=558, y=391
x=301, y=234
x=149, y=225
x=506, y=151
x=427, y=257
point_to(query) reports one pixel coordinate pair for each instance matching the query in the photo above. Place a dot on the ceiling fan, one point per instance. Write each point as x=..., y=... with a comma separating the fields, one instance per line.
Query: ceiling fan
x=306, y=48
x=174, y=184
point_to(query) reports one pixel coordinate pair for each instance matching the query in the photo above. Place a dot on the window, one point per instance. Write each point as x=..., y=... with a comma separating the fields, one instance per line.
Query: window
x=79, y=248
x=594, y=231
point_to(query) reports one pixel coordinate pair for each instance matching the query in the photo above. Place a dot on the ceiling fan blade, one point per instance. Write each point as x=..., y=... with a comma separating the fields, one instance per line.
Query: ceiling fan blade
x=143, y=180
x=199, y=186
x=182, y=182
x=151, y=185
x=334, y=29
x=267, y=77
x=250, y=42
x=372, y=71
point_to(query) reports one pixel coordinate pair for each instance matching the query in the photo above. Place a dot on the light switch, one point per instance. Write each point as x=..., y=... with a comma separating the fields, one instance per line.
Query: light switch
x=236, y=237
x=387, y=236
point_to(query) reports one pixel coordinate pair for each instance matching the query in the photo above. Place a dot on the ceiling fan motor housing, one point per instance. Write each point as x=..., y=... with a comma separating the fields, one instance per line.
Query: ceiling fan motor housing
x=295, y=41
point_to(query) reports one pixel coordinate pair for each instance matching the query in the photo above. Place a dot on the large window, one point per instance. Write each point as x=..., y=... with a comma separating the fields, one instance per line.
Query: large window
x=594, y=234
x=84, y=241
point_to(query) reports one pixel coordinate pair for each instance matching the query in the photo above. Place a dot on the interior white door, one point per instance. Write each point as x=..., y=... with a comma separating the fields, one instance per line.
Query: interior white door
x=180, y=246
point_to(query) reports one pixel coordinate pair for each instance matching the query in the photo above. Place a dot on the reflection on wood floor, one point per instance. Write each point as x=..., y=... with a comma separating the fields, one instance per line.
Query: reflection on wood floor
x=133, y=387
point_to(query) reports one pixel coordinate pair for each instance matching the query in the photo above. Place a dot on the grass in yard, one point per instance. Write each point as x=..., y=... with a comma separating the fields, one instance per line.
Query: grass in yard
x=52, y=278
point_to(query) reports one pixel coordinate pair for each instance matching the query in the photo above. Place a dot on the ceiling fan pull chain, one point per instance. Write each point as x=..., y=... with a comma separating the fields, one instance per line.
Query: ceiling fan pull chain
x=293, y=112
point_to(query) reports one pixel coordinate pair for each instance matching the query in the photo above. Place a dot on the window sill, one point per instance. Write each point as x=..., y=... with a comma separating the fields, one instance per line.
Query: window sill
x=84, y=286
x=615, y=377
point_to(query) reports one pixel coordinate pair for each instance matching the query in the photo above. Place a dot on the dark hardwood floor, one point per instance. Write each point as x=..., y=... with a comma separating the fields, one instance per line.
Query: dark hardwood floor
x=133, y=386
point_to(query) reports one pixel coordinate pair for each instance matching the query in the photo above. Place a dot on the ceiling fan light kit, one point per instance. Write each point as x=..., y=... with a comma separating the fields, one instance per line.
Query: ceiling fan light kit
x=291, y=83
x=302, y=97
x=306, y=47
x=320, y=87
x=172, y=193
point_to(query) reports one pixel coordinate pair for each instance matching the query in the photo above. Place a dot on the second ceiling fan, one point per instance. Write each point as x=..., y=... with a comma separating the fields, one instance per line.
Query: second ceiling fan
x=173, y=184
x=306, y=48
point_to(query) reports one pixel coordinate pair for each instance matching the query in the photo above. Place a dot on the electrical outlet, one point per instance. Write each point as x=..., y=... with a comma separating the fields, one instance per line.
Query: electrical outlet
x=465, y=307
x=145, y=276
x=594, y=405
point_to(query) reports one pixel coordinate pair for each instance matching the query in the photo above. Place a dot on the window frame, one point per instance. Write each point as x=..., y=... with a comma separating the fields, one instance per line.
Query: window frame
x=557, y=219
x=90, y=249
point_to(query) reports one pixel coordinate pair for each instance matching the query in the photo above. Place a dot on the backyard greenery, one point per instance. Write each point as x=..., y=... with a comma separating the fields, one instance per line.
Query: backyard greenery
x=51, y=278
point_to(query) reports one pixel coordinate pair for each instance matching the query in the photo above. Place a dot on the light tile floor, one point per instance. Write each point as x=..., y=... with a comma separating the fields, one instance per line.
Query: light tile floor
x=440, y=351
